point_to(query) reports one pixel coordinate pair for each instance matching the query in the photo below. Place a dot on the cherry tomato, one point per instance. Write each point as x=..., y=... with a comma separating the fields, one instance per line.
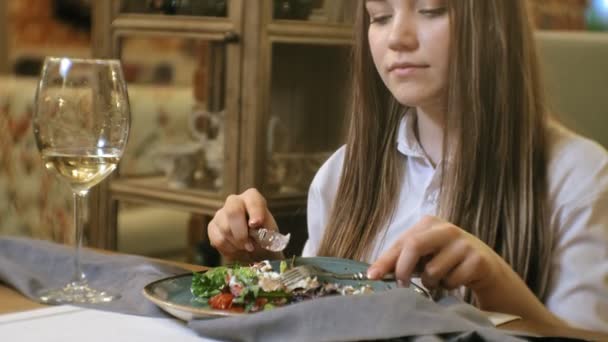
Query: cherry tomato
x=221, y=301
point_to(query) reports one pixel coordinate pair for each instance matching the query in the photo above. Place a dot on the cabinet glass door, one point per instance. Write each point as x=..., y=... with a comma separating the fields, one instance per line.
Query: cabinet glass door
x=306, y=117
x=207, y=8
x=177, y=94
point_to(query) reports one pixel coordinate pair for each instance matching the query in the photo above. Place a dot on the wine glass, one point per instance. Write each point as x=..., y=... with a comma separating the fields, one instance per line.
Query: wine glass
x=81, y=124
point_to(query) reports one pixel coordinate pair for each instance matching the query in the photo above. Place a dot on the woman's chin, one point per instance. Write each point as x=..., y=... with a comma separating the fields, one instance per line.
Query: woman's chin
x=417, y=98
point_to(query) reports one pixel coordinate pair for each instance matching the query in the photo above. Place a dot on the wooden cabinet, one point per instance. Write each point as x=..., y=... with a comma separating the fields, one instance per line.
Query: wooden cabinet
x=265, y=84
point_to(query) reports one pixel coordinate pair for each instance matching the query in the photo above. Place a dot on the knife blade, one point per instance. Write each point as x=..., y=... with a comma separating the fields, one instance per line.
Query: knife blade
x=270, y=240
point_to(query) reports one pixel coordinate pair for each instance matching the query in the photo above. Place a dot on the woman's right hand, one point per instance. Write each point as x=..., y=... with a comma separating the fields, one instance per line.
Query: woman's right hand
x=228, y=231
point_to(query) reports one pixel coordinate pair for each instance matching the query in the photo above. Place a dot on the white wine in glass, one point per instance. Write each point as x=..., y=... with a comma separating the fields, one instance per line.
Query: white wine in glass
x=81, y=124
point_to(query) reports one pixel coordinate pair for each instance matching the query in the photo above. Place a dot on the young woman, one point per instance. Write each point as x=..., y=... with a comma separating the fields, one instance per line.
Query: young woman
x=453, y=169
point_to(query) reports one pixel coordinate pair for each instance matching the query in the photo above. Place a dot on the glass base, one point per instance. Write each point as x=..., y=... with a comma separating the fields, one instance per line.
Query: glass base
x=76, y=293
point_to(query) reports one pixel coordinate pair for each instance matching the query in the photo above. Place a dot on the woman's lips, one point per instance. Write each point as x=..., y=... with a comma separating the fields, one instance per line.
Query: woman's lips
x=405, y=69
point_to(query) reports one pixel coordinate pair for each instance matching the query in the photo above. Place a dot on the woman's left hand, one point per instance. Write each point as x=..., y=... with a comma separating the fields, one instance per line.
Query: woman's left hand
x=444, y=255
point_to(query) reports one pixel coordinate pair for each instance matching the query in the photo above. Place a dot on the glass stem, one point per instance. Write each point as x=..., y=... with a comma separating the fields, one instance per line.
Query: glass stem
x=79, y=208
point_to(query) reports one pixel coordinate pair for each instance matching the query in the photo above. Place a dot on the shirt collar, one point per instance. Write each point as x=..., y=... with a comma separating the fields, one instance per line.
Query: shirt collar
x=407, y=143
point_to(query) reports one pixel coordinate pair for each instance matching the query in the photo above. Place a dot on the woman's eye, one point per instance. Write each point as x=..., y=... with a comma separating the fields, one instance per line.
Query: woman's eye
x=433, y=12
x=379, y=19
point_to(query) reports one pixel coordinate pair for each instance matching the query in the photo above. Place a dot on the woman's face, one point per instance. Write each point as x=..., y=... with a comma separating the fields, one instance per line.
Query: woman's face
x=409, y=42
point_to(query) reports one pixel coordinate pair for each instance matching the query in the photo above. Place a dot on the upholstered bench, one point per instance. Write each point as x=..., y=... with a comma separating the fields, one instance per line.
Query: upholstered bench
x=576, y=73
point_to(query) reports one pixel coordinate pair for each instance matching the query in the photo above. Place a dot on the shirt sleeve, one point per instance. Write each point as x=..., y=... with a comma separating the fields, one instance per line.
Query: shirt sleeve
x=321, y=195
x=313, y=219
x=578, y=290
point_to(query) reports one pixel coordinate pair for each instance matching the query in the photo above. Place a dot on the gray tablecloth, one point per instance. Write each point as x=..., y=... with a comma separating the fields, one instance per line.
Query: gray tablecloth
x=30, y=265
x=395, y=314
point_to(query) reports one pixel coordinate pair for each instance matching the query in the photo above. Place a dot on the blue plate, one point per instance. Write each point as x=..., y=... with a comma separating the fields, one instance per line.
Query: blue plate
x=173, y=294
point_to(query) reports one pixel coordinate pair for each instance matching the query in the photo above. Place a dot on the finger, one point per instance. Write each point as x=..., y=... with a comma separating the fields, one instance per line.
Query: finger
x=421, y=245
x=256, y=208
x=404, y=266
x=236, y=214
x=222, y=222
x=443, y=263
x=463, y=274
x=220, y=241
x=387, y=261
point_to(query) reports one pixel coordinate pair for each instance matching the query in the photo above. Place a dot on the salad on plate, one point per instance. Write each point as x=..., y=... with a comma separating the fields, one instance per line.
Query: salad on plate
x=258, y=287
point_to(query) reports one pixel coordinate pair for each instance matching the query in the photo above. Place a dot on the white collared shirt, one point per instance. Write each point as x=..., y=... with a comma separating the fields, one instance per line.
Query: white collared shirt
x=578, y=202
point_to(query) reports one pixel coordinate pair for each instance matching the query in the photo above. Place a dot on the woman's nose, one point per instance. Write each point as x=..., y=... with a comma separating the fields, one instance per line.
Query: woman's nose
x=403, y=34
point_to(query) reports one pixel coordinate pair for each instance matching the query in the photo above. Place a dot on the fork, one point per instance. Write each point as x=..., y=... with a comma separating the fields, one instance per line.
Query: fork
x=293, y=276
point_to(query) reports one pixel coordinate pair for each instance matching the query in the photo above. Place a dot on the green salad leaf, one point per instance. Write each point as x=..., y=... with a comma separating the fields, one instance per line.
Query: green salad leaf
x=245, y=275
x=216, y=280
x=210, y=283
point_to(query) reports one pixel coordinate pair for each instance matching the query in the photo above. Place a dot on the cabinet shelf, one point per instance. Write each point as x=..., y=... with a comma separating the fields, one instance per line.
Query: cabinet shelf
x=172, y=24
x=155, y=190
x=309, y=32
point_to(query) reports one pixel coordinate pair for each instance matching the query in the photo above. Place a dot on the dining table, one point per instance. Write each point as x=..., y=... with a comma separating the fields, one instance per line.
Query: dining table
x=11, y=301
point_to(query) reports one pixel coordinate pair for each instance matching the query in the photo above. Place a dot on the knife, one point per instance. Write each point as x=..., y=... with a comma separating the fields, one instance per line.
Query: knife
x=269, y=239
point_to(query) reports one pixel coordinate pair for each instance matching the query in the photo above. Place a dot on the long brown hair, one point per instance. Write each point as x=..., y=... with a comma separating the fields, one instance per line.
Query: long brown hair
x=494, y=184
